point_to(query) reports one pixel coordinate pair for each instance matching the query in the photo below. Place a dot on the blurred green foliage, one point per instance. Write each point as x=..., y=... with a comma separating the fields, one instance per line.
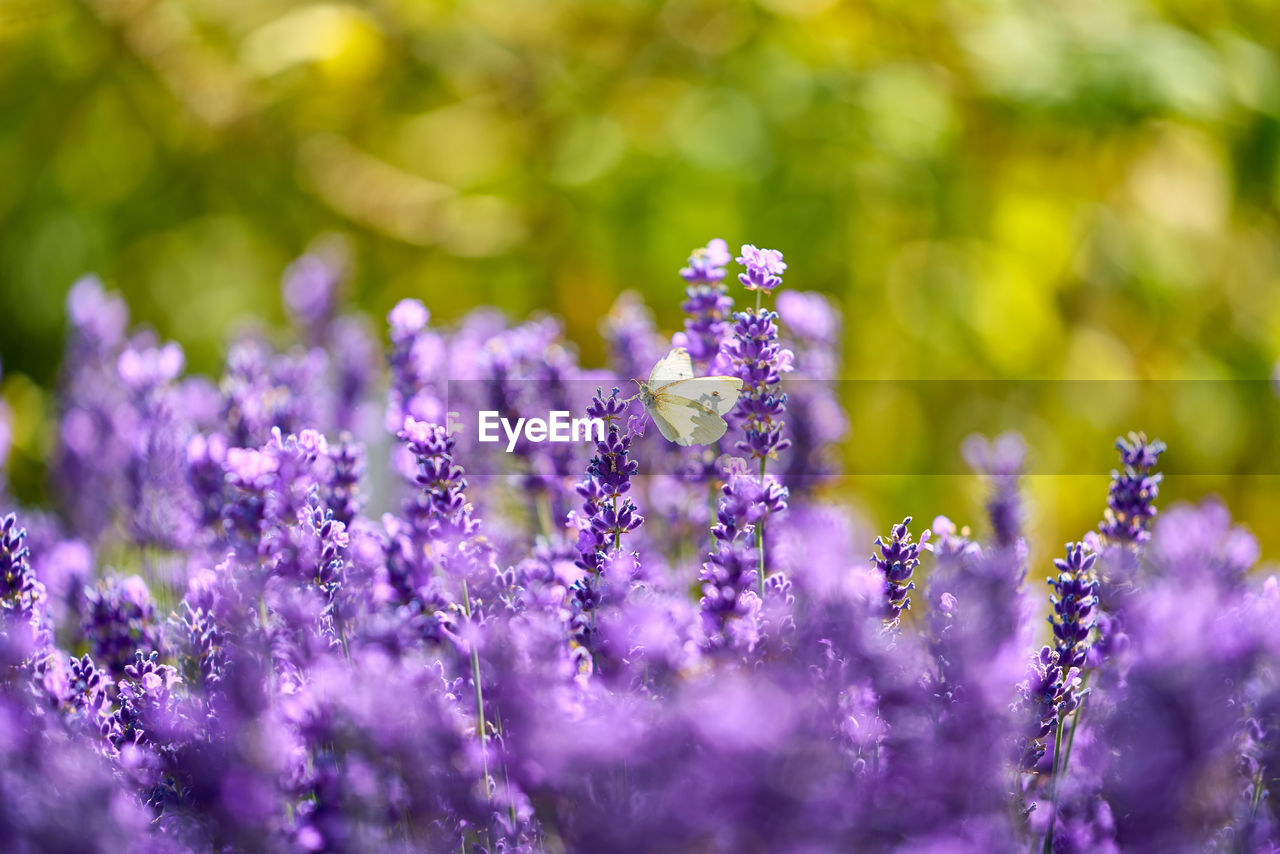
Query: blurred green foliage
x=993, y=189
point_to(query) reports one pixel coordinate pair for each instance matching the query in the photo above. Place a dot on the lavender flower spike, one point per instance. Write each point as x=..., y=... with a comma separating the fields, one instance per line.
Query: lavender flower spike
x=727, y=582
x=21, y=614
x=754, y=355
x=897, y=561
x=1131, y=497
x=607, y=510
x=707, y=263
x=759, y=361
x=707, y=303
x=1001, y=460
x=764, y=268
x=1076, y=590
x=1044, y=698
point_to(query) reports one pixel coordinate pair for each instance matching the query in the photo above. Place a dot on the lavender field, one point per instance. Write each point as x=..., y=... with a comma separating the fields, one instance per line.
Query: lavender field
x=273, y=613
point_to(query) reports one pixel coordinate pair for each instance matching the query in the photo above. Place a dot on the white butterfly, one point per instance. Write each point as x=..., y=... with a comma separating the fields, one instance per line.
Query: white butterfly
x=688, y=410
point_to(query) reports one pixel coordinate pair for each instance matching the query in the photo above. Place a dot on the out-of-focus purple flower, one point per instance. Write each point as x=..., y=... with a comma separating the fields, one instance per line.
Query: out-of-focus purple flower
x=952, y=544
x=119, y=621
x=1201, y=541
x=1084, y=824
x=1132, y=495
x=416, y=360
x=96, y=418
x=981, y=644
x=64, y=568
x=356, y=360
x=206, y=472
x=809, y=315
x=263, y=390
x=149, y=367
x=729, y=576
x=407, y=319
x=58, y=794
x=343, y=491
x=531, y=368
x=311, y=285
x=1163, y=736
x=764, y=268
x=96, y=315
x=249, y=468
x=634, y=344
x=707, y=303
x=898, y=559
x=815, y=418
x=161, y=505
x=707, y=263
x=1001, y=460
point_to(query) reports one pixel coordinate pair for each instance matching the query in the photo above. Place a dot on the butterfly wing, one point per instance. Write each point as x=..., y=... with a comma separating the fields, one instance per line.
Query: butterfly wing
x=717, y=394
x=668, y=428
x=672, y=367
x=686, y=422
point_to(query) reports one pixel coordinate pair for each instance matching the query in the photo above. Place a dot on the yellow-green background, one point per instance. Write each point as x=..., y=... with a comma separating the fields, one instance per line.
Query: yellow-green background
x=1027, y=190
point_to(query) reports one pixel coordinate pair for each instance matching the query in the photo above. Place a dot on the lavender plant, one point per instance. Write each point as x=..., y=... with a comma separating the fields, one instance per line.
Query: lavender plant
x=323, y=657
x=755, y=356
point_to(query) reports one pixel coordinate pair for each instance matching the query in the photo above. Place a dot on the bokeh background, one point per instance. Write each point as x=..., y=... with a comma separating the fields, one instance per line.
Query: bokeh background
x=1009, y=191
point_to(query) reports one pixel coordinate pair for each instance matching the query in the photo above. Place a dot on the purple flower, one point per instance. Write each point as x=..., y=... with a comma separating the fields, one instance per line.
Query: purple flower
x=759, y=361
x=1074, y=599
x=1131, y=497
x=96, y=417
x=707, y=263
x=250, y=469
x=898, y=559
x=98, y=317
x=1001, y=461
x=815, y=418
x=764, y=268
x=810, y=316
x=120, y=620
x=262, y=391
x=21, y=594
x=407, y=319
x=311, y=285
x=150, y=367
x=516, y=663
x=160, y=502
x=634, y=344
x=440, y=514
x=607, y=510
x=356, y=362
x=207, y=475
x=60, y=794
x=707, y=303
x=1044, y=700
x=343, y=490
x=607, y=514
x=729, y=575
